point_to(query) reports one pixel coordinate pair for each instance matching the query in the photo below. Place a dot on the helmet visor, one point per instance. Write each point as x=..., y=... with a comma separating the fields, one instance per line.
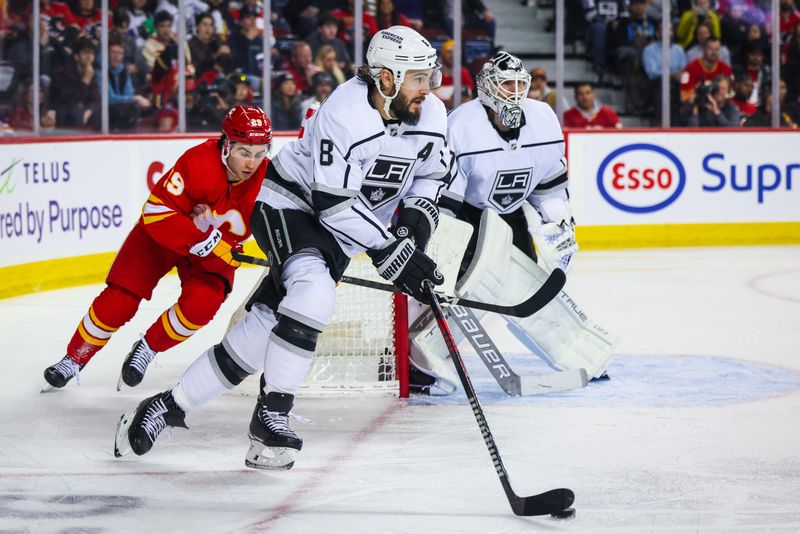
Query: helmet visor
x=419, y=79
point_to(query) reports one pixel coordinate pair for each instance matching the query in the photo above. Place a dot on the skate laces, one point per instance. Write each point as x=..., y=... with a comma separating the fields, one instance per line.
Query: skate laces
x=68, y=368
x=153, y=421
x=142, y=356
x=276, y=421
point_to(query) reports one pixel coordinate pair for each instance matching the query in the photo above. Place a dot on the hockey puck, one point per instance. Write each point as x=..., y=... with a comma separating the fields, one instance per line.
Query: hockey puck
x=564, y=514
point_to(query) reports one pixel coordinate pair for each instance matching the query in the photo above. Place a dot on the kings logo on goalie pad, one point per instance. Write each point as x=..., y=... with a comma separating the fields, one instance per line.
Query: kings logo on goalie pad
x=384, y=180
x=510, y=187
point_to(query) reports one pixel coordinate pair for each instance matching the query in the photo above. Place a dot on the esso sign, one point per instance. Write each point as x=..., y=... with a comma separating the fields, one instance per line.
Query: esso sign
x=641, y=178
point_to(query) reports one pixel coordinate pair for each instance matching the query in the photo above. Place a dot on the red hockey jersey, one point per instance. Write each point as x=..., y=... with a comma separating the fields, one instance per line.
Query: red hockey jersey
x=194, y=195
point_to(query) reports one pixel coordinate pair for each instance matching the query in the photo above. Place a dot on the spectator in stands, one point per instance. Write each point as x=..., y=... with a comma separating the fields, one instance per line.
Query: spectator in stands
x=588, y=114
x=84, y=21
x=755, y=68
x=539, y=89
x=445, y=89
x=75, y=95
x=763, y=117
x=628, y=35
x=300, y=67
x=345, y=15
x=302, y=16
x=477, y=16
x=223, y=22
x=193, y=8
x=599, y=13
x=791, y=63
x=286, y=113
x=246, y=43
x=167, y=119
x=322, y=84
x=701, y=71
x=388, y=16
x=701, y=12
x=756, y=35
x=789, y=18
x=124, y=104
x=742, y=91
x=140, y=17
x=326, y=35
x=326, y=61
x=242, y=92
x=412, y=10
x=711, y=107
x=121, y=33
x=651, y=60
x=734, y=28
x=435, y=16
x=204, y=44
x=702, y=33
x=156, y=43
x=21, y=116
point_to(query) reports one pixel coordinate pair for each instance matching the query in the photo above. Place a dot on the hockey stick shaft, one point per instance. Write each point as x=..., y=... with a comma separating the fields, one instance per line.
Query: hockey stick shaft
x=536, y=302
x=552, y=501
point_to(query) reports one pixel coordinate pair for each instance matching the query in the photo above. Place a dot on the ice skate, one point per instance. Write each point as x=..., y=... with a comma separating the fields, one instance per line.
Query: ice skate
x=57, y=376
x=135, y=364
x=273, y=444
x=138, y=429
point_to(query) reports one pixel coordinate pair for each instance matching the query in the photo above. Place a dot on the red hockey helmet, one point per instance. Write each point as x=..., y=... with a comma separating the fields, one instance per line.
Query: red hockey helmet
x=247, y=124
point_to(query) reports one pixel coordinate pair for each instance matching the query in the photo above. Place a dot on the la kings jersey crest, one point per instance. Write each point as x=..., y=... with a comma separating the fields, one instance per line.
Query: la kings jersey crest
x=384, y=179
x=490, y=172
x=351, y=169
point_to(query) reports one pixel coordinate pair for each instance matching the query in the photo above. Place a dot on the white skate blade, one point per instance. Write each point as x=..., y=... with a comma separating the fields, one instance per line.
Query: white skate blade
x=260, y=456
x=122, y=445
x=119, y=382
x=47, y=388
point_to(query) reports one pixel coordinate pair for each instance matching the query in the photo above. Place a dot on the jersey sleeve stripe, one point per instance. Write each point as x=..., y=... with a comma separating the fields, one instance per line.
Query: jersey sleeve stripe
x=342, y=234
x=545, y=143
x=553, y=185
x=150, y=219
x=475, y=153
x=423, y=132
x=338, y=191
x=336, y=208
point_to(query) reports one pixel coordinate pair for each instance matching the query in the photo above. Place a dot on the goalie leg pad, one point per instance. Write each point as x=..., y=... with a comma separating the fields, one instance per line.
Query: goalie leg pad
x=501, y=273
x=428, y=353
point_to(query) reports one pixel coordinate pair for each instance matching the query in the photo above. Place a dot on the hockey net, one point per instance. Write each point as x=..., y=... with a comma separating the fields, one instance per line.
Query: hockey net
x=364, y=349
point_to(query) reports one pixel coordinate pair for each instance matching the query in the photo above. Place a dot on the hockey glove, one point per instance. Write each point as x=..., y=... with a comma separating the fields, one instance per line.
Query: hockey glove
x=407, y=267
x=215, y=251
x=556, y=245
x=418, y=219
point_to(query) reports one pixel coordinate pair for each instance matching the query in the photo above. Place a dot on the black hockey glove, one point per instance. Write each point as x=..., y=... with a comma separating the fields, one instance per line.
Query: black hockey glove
x=418, y=218
x=407, y=267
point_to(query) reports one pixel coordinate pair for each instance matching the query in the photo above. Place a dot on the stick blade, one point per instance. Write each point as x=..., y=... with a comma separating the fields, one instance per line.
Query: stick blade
x=546, y=503
x=549, y=290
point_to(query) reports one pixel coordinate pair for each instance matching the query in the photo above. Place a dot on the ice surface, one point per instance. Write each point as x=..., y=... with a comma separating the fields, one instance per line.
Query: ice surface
x=696, y=432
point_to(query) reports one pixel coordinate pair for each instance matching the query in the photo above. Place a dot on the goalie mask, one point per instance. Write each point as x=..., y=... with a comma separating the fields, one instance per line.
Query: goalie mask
x=503, y=85
x=401, y=49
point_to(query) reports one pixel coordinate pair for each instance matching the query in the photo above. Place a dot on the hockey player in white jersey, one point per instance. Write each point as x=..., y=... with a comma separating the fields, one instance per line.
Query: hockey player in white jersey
x=509, y=152
x=375, y=145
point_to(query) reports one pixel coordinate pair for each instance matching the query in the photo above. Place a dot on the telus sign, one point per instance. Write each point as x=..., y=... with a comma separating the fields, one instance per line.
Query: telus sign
x=641, y=178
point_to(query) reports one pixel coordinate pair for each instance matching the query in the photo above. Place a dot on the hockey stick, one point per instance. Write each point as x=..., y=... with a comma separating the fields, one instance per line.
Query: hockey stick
x=511, y=382
x=549, y=290
x=555, y=502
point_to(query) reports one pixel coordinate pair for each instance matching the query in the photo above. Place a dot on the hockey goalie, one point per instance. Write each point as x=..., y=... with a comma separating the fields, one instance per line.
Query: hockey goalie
x=508, y=153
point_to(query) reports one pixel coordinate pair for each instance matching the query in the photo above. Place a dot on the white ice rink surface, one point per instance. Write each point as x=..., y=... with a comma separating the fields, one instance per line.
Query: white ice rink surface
x=696, y=432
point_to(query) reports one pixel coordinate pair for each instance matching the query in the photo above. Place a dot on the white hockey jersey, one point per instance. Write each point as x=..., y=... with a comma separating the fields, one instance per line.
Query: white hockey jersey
x=490, y=172
x=351, y=169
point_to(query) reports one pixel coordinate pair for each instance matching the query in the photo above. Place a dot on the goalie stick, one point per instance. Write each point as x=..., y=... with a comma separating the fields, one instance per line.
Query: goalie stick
x=555, y=502
x=549, y=290
x=511, y=382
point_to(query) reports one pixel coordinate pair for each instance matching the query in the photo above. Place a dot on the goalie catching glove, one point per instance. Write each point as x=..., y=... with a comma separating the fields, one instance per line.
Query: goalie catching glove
x=407, y=267
x=418, y=218
x=556, y=245
x=216, y=252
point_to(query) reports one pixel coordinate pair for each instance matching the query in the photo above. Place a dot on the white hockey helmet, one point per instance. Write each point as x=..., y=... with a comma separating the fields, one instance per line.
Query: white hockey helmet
x=495, y=91
x=401, y=49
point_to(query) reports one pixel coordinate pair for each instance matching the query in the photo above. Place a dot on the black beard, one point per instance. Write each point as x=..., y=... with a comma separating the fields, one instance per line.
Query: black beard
x=399, y=107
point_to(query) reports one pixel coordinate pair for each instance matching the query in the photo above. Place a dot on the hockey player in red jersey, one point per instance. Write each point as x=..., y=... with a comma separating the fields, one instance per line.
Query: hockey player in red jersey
x=197, y=213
